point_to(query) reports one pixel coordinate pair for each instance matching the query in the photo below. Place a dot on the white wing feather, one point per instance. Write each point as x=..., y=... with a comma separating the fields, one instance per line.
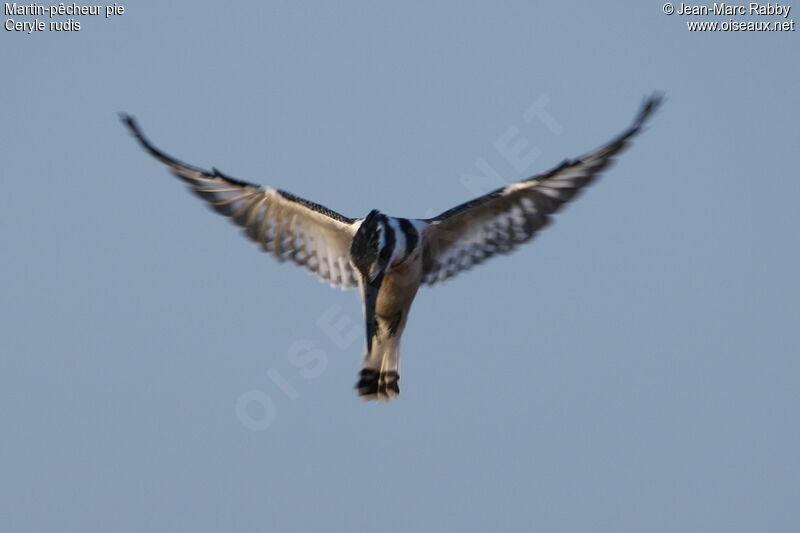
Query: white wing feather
x=498, y=222
x=289, y=227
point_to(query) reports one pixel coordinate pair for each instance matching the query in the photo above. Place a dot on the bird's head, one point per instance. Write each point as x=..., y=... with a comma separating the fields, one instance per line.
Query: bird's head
x=371, y=248
x=371, y=252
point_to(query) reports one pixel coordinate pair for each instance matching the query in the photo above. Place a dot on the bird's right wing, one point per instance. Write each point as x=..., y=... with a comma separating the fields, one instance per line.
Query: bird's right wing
x=289, y=227
x=498, y=222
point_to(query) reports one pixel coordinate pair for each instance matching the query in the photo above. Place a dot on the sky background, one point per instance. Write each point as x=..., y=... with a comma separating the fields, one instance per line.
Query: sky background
x=634, y=369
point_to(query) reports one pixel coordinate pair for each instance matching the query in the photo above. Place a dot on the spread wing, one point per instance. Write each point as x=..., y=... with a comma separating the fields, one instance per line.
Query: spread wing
x=289, y=227
x=498, y=222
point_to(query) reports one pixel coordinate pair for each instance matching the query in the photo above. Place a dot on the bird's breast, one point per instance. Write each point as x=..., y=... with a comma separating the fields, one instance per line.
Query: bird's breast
x=406, y=241
x=399, y=287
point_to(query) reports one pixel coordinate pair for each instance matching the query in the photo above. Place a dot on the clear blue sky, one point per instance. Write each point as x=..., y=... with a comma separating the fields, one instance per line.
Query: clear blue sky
x=635, y=368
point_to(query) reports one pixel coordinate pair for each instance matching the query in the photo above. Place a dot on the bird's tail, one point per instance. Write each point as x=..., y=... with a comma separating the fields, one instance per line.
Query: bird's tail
x=380, y=374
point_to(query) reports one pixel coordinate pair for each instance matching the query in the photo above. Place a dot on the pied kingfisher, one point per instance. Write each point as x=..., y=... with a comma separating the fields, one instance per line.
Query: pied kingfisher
x=388, y=258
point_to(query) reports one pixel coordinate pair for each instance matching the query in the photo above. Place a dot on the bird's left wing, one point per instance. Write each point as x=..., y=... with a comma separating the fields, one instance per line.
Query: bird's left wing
x=289, y=227
x=499, y=221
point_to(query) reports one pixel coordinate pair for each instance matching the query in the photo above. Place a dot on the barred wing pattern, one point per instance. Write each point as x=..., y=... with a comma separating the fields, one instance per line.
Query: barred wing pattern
x=498, y=222
x=285, y=225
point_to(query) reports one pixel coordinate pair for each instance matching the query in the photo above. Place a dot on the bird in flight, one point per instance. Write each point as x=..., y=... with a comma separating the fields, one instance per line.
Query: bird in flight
x=389, y=258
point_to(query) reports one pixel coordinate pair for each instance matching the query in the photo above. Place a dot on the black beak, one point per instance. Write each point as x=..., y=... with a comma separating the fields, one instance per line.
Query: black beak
x=371, y=289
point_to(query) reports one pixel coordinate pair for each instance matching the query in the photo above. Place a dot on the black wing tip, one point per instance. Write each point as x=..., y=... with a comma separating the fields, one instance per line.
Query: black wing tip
x=132, y=126
x=176, y=164
x=136, y=131
x=649, y=106
x=127, y=119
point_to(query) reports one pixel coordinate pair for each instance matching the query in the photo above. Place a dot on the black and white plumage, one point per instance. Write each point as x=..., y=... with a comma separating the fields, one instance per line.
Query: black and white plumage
x=388, y=258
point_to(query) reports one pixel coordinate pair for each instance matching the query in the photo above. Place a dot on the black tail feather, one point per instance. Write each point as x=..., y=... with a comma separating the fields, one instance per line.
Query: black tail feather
x=376, y=385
